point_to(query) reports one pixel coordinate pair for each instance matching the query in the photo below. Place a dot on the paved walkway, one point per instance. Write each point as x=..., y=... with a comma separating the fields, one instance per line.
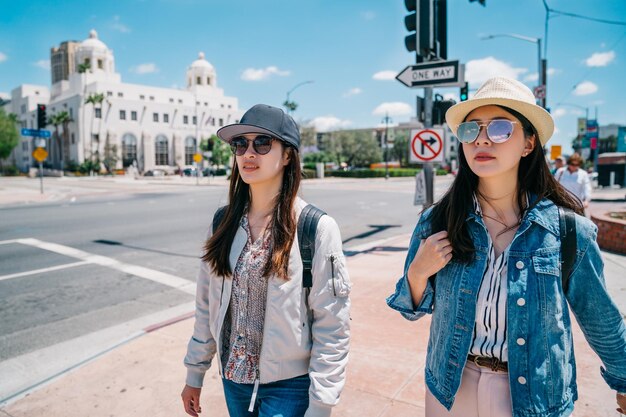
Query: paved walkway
x=385, y=376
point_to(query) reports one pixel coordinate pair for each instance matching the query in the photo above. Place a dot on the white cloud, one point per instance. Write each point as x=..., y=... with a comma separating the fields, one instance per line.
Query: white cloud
x=559, y=112
x=254, y=74
x=368, y=15
x=585, y=88
x=43, y=63
x=328, y=123
x=147, y=68
x=3, y=57
x=352, y=92
x=477, y=71
x=385, y=75
x=600, y=59
x=451, y=96
x=534, y=76
x=4, y=96
x=119, y=26
x=395, y=108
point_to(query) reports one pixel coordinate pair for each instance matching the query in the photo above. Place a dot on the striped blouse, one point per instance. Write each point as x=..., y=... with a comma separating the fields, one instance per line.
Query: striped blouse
x=490, y=337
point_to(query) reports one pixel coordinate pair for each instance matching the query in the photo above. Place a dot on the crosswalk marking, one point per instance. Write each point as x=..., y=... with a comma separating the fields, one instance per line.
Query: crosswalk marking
x=43, y=270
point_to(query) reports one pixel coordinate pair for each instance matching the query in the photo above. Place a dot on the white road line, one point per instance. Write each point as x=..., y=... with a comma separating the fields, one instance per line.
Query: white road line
x=43, y=270
x=139, y=271
x=6, y=242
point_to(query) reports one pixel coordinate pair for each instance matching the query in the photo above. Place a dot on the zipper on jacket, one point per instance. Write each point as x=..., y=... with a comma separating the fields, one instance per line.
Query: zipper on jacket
x=332, y=272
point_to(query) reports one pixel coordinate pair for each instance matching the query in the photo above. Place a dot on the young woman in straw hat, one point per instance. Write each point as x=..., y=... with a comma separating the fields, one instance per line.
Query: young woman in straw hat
x=485, y=262
x=281, y=345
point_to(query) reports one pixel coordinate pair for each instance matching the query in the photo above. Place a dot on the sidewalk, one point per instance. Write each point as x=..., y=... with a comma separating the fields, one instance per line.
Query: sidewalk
x=385, y=376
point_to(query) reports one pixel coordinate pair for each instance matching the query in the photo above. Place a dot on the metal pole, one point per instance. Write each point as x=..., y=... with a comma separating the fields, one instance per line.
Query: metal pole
x=385, y=142
x=195, y=97
x=41, y=177
x=597, y=149
x=428, y=166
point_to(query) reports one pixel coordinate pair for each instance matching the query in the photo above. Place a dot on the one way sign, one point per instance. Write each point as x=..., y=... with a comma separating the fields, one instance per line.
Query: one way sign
x=442, y=73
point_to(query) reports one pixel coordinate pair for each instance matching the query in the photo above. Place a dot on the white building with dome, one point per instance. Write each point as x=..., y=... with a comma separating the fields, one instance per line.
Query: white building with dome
x=150, y=127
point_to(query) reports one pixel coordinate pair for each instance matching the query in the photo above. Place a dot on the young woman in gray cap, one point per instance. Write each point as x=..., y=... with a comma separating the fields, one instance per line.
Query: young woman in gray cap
x=485, y=261
x=281, y=344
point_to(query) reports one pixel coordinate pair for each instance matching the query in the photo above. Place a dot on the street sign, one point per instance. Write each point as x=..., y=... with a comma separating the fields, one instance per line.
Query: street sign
x=431, y=74
x=427, y=145
x=40, y=154
x=540, y=91
x=555, y=151
x=36, y=133
x=197, y=158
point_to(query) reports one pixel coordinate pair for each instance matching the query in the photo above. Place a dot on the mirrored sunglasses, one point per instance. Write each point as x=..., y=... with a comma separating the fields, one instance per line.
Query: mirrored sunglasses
x=261, y=144
x=498, y=131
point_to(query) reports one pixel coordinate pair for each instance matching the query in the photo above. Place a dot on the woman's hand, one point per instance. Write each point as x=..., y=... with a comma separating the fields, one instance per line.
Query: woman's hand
x=191, y=400
x=433, y=254
x=621, y=402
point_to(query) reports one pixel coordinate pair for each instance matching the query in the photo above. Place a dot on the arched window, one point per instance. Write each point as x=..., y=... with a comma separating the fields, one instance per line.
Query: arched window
x=161, y=152
x=190, y=149
x=129, y=149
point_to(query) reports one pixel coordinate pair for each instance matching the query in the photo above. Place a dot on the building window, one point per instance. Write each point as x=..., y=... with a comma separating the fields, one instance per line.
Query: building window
x=229, y=106
x=120, y=94
x=180, y=101
x=109, y=93
x=23, y=108
x=221, y=122
x=160, y=150
x=195, y=120
x=122, y=114
x=98, y=112
x=133, y=115
x=129, y=149
x=206, y=104
x=142, y=97
x=71, y=113
x=151, y=98
x=190, y=149
x=199, y=80
x=166, y=118
x=73, y=138
x=197, y=103
x=171, y=100
x=87, y=62
x=185, y=120
x=155, y=117
x=25, y=146
x=100, y=64
x=36, y=92
x=208, y=80
x=212, y=121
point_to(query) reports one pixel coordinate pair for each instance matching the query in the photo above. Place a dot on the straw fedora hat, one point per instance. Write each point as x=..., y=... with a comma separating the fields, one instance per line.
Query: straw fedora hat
x=502, y=91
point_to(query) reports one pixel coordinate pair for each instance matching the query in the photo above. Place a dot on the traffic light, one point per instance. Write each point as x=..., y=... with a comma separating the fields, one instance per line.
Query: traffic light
x=464, y=92
x=418, y=23
x=42, y=119
x=440, y=107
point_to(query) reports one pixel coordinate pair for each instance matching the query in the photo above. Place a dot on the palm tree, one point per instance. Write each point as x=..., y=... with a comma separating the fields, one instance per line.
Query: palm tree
x=62, y=119
x=84, y=67
x=54, y=121
x=95, y=100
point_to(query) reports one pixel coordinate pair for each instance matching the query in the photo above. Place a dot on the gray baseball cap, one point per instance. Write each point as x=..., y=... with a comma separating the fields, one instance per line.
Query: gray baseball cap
x=264, y=119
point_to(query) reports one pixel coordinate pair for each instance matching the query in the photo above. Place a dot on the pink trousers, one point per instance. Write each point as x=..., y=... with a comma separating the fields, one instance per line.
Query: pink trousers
x=483, y=393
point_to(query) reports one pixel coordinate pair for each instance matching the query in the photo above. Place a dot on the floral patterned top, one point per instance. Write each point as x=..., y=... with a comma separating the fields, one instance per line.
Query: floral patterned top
x=243, y=325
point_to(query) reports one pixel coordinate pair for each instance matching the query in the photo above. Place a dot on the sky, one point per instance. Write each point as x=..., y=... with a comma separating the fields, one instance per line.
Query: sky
x=351, y=51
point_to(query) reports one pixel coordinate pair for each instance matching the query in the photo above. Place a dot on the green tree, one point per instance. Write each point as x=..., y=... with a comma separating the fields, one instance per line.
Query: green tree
x=220, y=151
x=400, y=149
x=308, y=137
x=62, y=141
x=356, y=148
x=84, y=67
x=110, y=156
x=95, y=100
x=9, y=135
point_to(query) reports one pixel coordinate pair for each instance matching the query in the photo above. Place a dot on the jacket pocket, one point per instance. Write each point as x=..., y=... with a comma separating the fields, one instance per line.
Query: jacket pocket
x=549, y=265
x=339, y=281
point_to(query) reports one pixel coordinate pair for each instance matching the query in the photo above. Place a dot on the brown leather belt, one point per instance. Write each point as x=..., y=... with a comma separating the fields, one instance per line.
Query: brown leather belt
x=486, y=362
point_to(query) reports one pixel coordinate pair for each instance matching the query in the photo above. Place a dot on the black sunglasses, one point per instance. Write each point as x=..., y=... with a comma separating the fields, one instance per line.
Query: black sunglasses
x=498, y=130
x=261, y=144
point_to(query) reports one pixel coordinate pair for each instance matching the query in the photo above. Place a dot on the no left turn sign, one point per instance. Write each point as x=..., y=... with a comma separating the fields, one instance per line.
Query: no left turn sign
x=427, y=145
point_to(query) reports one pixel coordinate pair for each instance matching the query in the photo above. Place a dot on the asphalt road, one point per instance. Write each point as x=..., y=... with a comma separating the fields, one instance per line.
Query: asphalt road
x=73, y=273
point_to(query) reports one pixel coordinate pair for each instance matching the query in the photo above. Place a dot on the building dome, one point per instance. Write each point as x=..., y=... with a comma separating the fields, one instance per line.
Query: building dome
x=93, y=42
x=201, y=63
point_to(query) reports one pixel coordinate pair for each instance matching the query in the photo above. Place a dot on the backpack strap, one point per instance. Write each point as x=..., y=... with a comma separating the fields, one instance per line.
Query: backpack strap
x=567, y=227
x=307, y=228
x=218, y=216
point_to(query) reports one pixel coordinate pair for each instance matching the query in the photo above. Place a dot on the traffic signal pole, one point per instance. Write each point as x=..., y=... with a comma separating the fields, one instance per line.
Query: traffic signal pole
x=428, y=166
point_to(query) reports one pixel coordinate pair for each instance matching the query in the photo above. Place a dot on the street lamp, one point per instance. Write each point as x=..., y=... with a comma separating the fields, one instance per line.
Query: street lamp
x=291, y=106
x=386, y=120
x=541, y=63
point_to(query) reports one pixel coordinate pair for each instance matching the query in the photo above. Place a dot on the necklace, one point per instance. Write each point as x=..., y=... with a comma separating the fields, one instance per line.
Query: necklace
x=500, y=219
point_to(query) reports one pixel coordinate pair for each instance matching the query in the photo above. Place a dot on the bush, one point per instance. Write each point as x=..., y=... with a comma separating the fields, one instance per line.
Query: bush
x=89, y=166
x=309, y=173
x=375, y=173
x=441, y=171
x=10, y=171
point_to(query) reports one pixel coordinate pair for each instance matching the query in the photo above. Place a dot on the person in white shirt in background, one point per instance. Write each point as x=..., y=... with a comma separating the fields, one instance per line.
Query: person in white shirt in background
x=575, y=179
x=559, y=163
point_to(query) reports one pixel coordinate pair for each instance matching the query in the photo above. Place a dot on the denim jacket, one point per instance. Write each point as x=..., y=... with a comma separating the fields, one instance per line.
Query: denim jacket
x=542, y=369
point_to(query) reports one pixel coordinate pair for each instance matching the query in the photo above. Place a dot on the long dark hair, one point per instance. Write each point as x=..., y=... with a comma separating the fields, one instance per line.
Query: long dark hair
x=282, y=225
x=533, y=176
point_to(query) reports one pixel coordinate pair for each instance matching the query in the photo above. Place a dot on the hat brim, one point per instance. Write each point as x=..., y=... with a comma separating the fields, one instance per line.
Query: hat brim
x=536, y=115
x=228, y=132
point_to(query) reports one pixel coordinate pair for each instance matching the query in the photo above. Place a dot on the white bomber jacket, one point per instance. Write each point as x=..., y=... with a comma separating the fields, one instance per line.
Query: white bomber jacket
x=296, y=340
